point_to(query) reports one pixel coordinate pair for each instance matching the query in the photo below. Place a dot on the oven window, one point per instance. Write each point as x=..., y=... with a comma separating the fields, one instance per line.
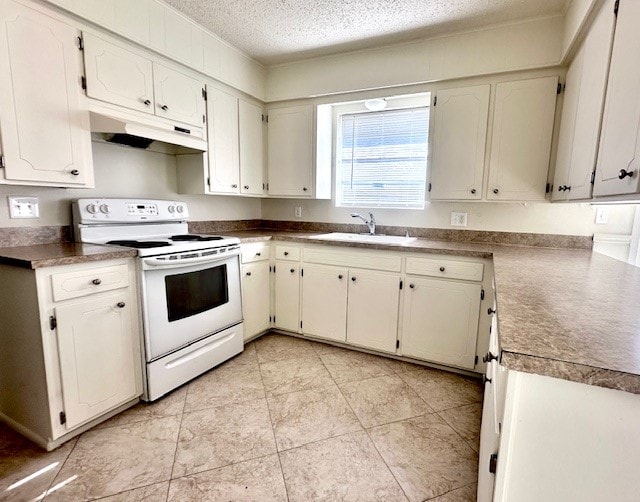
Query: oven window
x=195, y=292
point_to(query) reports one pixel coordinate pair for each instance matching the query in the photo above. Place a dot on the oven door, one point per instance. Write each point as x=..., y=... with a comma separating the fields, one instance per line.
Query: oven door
x=188, y=299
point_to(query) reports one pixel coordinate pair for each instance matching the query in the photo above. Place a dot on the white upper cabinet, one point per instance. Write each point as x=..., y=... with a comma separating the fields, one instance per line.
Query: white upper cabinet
x=222, y=131
x=290, y=151
x=117, y=75
x=44, y=129
x=131, y=19
x=618, y=167
x=178, y=96
x=251, y=129
x=582, y=110
x=521, y=142
x=460, y=133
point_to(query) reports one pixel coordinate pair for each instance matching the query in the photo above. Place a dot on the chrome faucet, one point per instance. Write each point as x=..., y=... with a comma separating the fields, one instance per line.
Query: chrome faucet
x=371, y=222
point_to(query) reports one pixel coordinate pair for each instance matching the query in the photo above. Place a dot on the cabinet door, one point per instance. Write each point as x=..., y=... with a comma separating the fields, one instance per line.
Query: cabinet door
x=256, y=297
x=620, y=139
x=372, y=314
x=489, y=442
x=440, y=321
x=290, y=151
x=324, y=302
x=96, y=344
x=222, y=131
x=251, y=128
x=117, y=75
x=287, y=293
x=178, y=96
x=460, y=134
x=582, y=110
x=521, y=143
x=44, y=129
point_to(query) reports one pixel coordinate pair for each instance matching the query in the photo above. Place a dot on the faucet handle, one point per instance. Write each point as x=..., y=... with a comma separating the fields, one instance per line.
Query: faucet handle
x=371, y=218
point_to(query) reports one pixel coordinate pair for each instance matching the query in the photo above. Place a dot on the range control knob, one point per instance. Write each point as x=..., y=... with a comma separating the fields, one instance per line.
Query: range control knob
x=104, y=208
x=172, y=209
x=180, y=209
x=92, y=208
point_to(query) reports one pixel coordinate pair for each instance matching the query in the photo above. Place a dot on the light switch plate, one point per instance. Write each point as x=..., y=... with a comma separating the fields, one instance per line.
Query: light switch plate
x=458, y=219
x=23, y=207
x=602, y=215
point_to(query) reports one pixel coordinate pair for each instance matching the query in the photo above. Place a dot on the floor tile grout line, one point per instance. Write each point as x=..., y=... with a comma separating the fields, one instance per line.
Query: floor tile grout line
x=46, y=492
x=450, y=491
x=315, y=387
x=130, y=490
x=175, y=452
x=468, y=443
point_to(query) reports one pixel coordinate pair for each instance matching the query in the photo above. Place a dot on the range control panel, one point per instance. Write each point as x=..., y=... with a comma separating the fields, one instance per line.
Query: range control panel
x=128, y=210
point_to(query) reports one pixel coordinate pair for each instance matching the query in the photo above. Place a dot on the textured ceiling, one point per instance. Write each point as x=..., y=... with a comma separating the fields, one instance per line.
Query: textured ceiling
x=277, y=31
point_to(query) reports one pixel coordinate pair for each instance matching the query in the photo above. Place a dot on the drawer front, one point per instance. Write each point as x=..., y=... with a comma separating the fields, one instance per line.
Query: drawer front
x=353, y=259
x=259, y=251
x=86, y=282
x=287, y=253
x=445, y=268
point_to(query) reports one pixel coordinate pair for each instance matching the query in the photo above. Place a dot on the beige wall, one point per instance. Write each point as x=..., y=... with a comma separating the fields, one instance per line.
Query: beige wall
x=127, y=172
x=543, y=217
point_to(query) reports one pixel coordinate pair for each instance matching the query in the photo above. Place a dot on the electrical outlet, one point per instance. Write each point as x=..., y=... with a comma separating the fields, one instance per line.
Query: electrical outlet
x=602, y=215
x=458, y=219
x=23, y=207
x=298, y=212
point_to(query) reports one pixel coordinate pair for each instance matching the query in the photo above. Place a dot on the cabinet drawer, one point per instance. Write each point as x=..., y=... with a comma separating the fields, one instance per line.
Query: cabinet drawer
x=381, y=261
x=259, y=251
x=450, y=269
x=85, y=282
x=287, y=253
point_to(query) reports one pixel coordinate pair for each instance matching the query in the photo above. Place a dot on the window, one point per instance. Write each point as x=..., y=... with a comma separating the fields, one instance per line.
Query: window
x=381, y=158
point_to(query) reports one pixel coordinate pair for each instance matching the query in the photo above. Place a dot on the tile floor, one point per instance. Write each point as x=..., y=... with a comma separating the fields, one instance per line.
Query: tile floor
x=288, y=419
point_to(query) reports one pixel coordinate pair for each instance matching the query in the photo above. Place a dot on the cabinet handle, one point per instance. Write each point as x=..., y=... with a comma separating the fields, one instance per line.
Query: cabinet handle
x=258, y=254
x=340, y=276
x=491, y=311
x=485, y=379
x=146, y=102
x=286, y=253
x=442, y=269
x=97, y=282
x=473, y=190
x=164, y=107
x=495, y=190
x=248, y=273
x=121, y=305
x=563, y=188
x=353, y=279
x=624, y=173
x=75, y=172
x=412, y=286
x=292, y=270
x=488, y=357
x=246, y=187
x=234, y=186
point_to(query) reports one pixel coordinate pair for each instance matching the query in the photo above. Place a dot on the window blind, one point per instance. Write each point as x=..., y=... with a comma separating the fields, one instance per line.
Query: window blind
x=382, y=159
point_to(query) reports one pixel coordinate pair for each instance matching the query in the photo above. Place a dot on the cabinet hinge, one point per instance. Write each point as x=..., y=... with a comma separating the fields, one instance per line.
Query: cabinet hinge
x=266, y=118
x=269, y=316
x=493, y=463
x=262, y=116
x=1, y=161
x=559, y=88
x=429, y=187
x=267, y=187
x=209, y=182
x=80, y=43
x=397, y=344
x=593, y=177
x=301, y=275
x=547, y=188
x=63, y=418
x=482, y=294
x=300, y=324
x=435, y=100
x=616, y=6
x=475, y=360
x=204, y=94
x=204, y=119
x=83, y=83
x=53, y=323
x=274, y=319
x=400, y=284
x=274, y=271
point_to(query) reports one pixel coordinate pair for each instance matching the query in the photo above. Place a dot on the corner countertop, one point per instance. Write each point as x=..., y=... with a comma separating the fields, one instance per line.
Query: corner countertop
x=565, y=313
x=64, y=253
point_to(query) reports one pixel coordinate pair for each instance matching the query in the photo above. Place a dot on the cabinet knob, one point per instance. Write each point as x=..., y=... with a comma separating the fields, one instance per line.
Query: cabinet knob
x=340, y=276
x=491, y=311
x=473, y=190
x=248, y=273
x=164, y=107
x=485, y=379
x=258, y=253
x=75, y=172
x=246, y=187
x=97, y=282
x=304, y=189
x=412, y=286
x=234, y=186
x=292, y=270
x=624, y=173
x=488, y=357
x=121, y=305
x=495, y=190
x=286, y=253
x=353, y=279
x=442, y=269
x=146, y=102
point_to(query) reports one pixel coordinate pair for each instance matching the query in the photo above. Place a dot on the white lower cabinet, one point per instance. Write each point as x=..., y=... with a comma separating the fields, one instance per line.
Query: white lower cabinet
x=372, y=313
x=287, y=293
x=256, y=297
x=324, y=301
x=76, y=357
x=440, y=321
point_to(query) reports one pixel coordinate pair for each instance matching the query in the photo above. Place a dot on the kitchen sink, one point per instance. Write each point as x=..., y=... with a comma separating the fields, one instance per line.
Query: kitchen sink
x=367, y=238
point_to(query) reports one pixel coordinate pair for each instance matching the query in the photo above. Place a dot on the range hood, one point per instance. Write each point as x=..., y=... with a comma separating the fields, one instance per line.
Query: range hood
x=133, y=131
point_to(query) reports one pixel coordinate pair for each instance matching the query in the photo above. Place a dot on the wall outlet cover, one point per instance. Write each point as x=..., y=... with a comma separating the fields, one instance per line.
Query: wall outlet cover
x=23, y=207
x=298, y=212
x=458, y=219
x=602, y=215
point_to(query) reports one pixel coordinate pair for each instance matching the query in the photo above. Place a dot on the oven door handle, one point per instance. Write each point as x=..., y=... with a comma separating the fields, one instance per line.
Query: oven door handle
x=153, y=262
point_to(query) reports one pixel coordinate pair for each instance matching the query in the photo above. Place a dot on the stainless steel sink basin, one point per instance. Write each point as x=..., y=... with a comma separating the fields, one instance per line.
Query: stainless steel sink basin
x=367, y=238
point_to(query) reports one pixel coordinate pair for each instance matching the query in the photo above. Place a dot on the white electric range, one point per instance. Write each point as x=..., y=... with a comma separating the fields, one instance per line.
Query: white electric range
x=189, y=285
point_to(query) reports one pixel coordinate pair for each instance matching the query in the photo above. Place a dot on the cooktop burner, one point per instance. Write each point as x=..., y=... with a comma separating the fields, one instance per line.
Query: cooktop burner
x=192, y=237
x=140, y=244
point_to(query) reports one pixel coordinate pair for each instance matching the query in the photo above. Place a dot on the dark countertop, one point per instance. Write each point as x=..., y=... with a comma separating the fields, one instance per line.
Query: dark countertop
x=566, y=313
x=64, y=253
